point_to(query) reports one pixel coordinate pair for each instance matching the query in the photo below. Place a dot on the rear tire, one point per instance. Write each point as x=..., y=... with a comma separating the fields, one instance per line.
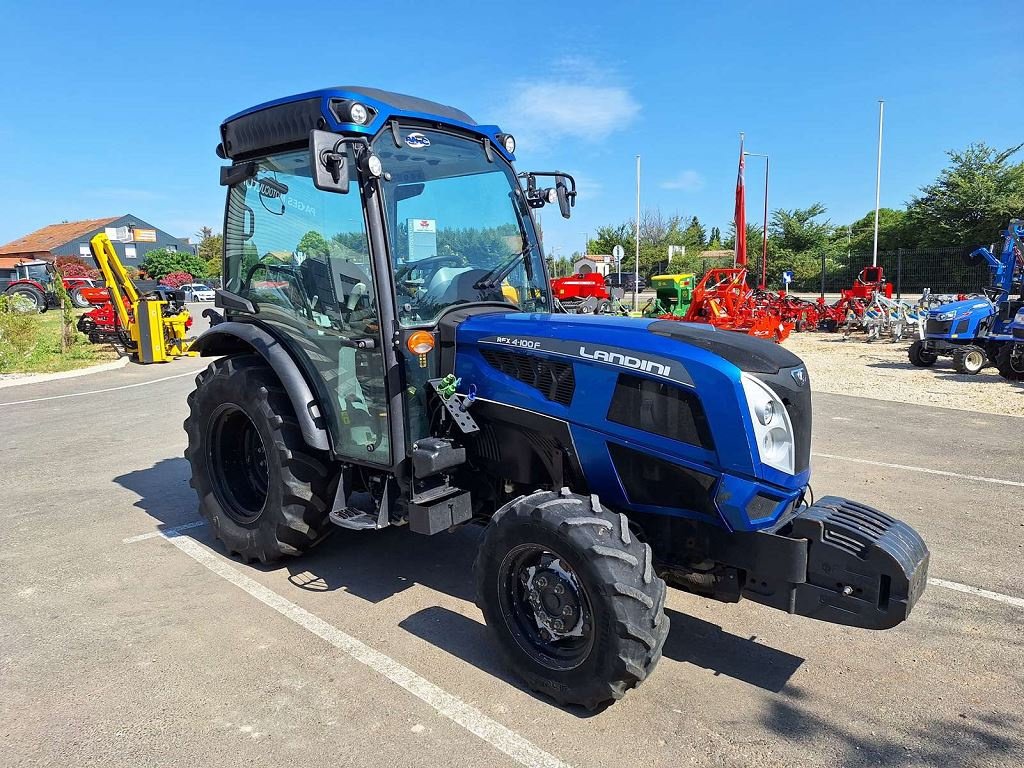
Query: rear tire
x=609, y=595
x=265, y=493
x=1009, y=368
x=969, y=359
x=920, y=356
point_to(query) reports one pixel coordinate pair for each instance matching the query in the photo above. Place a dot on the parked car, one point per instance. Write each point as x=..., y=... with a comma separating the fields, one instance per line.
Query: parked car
x=197, y=292
x=624, y=280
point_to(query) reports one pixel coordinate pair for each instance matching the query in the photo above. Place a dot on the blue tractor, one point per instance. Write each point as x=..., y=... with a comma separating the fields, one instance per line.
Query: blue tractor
x=386, y=354
x=1010, y=359
x=976, y=331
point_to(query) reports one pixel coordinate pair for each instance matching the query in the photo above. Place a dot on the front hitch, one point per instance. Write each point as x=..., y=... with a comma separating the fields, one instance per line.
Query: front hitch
x=863, y=567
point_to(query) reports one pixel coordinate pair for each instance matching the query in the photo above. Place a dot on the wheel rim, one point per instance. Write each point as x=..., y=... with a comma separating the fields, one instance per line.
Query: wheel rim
x=973, y=360
x=238, y=460
x=545, y=607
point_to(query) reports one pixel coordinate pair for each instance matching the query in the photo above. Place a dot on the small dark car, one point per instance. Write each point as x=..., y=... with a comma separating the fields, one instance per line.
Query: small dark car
x=624, y=280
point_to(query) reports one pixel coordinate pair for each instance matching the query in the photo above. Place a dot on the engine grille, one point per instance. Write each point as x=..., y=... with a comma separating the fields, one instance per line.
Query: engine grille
x=938, y=327
x=553, y=379
x=1018, y=333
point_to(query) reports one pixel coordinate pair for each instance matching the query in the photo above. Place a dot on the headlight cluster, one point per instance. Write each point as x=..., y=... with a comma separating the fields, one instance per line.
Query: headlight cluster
x=946, y=315
x=772, y=427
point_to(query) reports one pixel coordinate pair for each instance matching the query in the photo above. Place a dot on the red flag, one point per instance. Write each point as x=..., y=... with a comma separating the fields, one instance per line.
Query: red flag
x=740, y=217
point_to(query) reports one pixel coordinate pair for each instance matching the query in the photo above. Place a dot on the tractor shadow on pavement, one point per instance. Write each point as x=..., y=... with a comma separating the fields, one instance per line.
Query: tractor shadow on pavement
x=379, y=565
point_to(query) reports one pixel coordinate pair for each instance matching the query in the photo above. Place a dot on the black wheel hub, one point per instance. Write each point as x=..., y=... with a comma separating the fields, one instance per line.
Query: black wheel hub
x=239, y=466
x=546, y=607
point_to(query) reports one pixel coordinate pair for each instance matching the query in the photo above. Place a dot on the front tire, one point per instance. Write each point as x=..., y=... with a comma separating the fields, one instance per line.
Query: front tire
x=1010, y=368
x=29, y=293
x=571, y=597
x=78, y=298
x=263, y=490
x=919, y=356
x=969, y=359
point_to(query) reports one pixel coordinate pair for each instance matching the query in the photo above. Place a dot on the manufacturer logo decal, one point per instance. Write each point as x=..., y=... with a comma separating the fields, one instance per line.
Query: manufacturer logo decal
x=626, y=361
x=799, y=376
x=417, y=141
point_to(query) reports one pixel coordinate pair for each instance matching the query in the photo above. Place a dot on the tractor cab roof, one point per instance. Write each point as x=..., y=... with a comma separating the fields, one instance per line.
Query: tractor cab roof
x=286, y=122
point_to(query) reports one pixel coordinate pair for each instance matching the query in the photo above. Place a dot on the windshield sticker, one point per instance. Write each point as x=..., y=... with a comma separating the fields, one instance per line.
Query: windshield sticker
x=417, y=141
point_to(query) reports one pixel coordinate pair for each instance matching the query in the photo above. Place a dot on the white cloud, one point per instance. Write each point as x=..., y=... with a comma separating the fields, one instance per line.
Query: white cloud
x=580, y=102
x=687, y=181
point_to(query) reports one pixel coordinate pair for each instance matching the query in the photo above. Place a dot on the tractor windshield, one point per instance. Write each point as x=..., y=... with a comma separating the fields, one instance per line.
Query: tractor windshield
x=459, y=226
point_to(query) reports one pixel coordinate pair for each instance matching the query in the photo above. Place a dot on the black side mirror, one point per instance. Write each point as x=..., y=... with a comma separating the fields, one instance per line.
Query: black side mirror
x=566, y=196
x=328, y=160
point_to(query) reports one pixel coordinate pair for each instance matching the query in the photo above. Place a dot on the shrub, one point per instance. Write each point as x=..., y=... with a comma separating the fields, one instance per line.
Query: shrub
x=73, y=266
x=19, y=333
x=176, y=279
x=160, y=262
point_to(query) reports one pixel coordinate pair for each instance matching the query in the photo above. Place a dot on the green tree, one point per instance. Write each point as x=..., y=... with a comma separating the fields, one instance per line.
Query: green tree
x=715, y=239
x=210, y=247
x=798, y=230
x=213, y=267
x=972, y=200
x=312, y=244
x=160, y=262
x=695, y=236
x=893, y=232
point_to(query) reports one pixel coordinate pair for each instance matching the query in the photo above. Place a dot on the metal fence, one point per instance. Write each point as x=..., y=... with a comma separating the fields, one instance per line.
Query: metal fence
x=911, y=270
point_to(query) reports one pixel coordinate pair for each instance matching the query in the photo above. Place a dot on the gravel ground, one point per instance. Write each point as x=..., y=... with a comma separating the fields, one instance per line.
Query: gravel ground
x=880, y=370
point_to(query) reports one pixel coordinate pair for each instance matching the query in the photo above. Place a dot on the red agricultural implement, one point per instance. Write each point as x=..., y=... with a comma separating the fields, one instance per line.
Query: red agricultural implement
x=723, y=299
x=583, y=293
x=853, y=302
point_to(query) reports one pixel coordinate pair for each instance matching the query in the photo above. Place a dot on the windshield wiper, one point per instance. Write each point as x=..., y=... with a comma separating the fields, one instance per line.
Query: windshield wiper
x=502, y=270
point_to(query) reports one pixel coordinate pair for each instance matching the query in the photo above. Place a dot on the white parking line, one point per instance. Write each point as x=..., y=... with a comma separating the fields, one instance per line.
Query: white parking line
x=165, y=532
x=978, y=592
x=926, y=470
x=99, y=391
x=455, y=709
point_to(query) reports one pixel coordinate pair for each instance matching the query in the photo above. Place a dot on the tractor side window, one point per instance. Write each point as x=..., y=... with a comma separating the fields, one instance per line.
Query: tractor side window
x=301, y=256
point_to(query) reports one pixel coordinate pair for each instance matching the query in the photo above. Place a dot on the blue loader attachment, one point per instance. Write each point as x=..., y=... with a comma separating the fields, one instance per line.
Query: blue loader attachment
x=976, y=332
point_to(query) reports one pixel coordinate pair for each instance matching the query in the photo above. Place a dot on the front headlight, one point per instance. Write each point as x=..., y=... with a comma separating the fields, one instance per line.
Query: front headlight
x=773, y=429
x=946, y=315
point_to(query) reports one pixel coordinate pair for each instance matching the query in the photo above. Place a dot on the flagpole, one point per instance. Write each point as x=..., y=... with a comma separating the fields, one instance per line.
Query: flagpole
x=636, y=275
x=736, y=222
x=878, y=182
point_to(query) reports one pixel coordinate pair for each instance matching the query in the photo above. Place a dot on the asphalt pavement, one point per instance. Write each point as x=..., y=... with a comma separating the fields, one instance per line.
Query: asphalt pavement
x=127, y=640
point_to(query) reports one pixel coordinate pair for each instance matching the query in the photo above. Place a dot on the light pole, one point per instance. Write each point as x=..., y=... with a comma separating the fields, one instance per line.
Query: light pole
x=878, y=182
x=764, y=233
x=636, y=275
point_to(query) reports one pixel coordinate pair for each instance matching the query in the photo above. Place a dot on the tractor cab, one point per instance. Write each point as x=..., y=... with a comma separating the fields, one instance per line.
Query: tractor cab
x=37, y=271
x=357, y=222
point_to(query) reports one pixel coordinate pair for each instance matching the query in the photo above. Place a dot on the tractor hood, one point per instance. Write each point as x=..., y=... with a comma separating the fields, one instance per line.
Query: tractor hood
x=587, y=335
x=959, y=308
x=568, y=367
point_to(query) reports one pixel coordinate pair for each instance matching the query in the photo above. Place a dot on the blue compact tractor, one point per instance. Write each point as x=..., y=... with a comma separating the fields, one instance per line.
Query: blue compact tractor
x=386, y=355
x=1010, y=359
x=975, y=332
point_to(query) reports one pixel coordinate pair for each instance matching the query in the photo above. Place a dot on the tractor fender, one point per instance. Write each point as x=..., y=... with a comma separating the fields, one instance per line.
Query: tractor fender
x=232, y=337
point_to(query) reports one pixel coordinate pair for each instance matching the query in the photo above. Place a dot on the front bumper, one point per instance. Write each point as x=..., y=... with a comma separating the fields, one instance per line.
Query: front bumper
x=841, y=562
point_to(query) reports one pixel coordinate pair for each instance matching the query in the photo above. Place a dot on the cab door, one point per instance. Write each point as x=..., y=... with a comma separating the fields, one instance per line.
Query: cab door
x=301, y=256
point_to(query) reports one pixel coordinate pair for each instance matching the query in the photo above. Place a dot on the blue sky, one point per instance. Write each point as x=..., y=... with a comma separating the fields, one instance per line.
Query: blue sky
x=111, y=111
